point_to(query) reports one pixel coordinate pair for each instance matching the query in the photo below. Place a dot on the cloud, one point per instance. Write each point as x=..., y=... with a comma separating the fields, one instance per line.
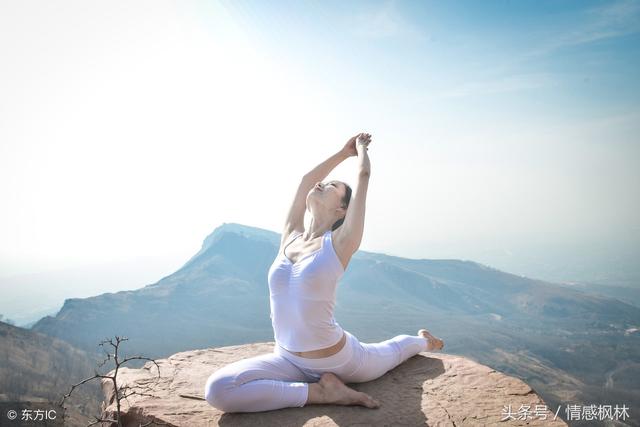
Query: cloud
x=501, y=85
x=385, y=22
x=599, y=23
x=603, y=22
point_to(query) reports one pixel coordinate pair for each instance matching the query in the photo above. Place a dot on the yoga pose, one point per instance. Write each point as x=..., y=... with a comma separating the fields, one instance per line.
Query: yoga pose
x=314, y=356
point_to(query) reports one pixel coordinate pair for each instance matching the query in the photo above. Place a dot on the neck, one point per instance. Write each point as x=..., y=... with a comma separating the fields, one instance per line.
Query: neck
x=317, y=229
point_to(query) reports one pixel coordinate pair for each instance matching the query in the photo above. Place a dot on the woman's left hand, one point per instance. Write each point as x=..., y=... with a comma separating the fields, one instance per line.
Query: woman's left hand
x=350, y=147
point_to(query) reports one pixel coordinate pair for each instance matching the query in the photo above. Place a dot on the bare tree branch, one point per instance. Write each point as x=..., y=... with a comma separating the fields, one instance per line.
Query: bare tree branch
x=120, y=392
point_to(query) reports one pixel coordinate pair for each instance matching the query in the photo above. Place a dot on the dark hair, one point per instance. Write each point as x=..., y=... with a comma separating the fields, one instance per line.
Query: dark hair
x=345, y=204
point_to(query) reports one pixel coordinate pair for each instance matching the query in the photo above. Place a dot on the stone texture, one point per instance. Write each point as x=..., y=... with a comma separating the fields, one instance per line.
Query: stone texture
x=431, y=388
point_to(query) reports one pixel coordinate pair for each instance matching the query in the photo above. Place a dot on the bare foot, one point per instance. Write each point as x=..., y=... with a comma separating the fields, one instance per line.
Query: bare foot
x=330, y=389
x=433, y=343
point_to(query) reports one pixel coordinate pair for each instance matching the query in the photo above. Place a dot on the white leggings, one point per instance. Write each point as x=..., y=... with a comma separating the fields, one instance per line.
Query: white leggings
x=280, y=379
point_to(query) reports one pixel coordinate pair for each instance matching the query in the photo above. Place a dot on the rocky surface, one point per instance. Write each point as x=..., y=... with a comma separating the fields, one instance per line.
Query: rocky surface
x=431, y=388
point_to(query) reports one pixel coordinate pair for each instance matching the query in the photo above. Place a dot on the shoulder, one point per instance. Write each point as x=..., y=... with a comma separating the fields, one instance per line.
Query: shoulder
x=288, y=234
x=337, y=239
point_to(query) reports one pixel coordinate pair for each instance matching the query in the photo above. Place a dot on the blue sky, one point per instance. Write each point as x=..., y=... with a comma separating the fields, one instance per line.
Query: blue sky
x=504, y=132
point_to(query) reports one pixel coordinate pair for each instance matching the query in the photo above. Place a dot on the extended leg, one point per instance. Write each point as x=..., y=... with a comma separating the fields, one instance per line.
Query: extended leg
x=372, y=360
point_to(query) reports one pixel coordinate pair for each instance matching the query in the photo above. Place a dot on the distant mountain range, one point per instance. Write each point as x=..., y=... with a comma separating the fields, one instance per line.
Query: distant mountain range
x=571, y=346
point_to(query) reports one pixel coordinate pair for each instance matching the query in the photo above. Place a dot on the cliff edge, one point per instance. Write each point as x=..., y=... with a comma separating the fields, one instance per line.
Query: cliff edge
x=433, y=389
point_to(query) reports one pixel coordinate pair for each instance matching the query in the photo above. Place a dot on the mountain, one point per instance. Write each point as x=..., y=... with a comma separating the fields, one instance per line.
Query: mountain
x=35, y=367
x=429, y=389
x=627, y=294
x=571, y=345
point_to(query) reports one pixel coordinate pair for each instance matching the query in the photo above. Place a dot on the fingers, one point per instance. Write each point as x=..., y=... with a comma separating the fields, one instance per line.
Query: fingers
x=364, y=138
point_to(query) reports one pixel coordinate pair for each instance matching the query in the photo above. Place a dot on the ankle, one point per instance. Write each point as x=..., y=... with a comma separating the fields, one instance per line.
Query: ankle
x=316, y=393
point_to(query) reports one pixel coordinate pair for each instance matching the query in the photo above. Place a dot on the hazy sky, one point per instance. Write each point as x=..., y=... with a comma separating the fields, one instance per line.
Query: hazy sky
x=503, y=132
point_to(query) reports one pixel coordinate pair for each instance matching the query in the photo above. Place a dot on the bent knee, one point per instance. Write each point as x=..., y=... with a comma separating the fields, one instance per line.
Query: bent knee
x=217, y=388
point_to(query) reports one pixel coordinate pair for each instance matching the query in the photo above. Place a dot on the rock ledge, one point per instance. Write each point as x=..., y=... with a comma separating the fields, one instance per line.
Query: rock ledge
x=434, y=389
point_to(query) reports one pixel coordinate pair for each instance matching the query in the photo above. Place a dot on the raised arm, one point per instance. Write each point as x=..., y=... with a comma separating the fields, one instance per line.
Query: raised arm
x=295, y=217
x=348, y=236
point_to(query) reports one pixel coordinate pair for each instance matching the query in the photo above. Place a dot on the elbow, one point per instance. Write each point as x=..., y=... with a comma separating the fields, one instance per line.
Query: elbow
x=364, y=173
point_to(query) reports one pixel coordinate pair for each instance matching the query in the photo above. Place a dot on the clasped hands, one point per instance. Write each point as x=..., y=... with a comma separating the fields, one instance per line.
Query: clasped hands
x=351, y=147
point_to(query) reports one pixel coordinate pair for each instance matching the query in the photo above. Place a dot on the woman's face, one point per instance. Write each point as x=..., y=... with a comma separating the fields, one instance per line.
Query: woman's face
x=329, y=194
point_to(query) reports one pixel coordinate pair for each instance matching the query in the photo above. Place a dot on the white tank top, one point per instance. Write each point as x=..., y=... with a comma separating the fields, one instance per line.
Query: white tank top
x=303, y=296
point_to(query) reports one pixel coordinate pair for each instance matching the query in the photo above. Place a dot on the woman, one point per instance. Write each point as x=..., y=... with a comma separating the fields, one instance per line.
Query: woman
x=314, y=356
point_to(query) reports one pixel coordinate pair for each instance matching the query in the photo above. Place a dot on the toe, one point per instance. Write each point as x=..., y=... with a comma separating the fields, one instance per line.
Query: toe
x=369, y=401
x=372, y=403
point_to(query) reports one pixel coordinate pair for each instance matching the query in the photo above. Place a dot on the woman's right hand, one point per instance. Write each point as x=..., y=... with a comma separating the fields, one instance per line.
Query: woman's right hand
x=351, y=147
